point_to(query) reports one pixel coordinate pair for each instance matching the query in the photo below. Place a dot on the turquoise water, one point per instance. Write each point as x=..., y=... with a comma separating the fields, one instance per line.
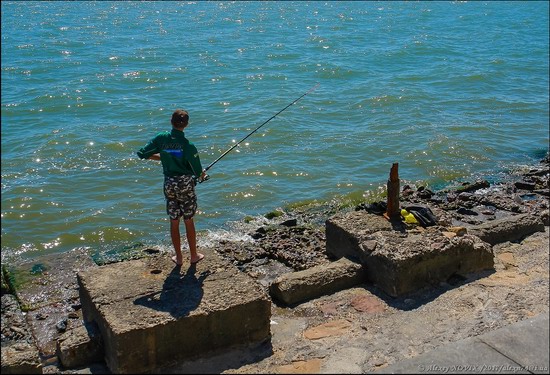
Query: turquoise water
x=449, y=90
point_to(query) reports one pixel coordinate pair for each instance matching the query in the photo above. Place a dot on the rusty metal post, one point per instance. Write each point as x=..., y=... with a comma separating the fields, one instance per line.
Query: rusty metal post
x=392, y=211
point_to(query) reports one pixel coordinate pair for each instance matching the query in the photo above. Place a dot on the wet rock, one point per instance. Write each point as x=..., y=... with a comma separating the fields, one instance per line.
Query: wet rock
x=257, y=235
x=470, y=187
x=465, y=211
x=19, y=353
x=544, y=192
x=465, y=197
x=61, y=325
x=14, y=324
x=525, y=185
x=289, y=223
x=424, y=193
x=45, y=330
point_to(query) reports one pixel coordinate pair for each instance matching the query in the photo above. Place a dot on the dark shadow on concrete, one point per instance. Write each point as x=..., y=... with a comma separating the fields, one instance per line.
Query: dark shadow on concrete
x=414, y=300
x=179, y=295
x=398, y=225
x=94, y=368
x=219, y=361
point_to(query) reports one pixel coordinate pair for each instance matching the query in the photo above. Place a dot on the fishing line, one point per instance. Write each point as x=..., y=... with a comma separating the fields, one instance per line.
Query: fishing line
x=255, y=130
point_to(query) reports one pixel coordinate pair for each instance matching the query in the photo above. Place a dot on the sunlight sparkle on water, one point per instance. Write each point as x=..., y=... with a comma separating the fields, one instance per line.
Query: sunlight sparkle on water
x=54, y=243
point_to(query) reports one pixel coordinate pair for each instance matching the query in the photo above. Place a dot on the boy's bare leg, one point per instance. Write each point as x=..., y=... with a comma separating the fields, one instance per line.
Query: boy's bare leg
x=176, y=240
x=192, y=240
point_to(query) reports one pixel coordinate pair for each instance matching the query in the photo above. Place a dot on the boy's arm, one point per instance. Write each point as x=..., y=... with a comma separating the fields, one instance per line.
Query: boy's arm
x=154, y=157
x=149, y=151
x=196, y=165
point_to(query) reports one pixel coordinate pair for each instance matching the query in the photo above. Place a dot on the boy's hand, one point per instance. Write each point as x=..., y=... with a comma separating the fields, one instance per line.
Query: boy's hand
x=203, y=177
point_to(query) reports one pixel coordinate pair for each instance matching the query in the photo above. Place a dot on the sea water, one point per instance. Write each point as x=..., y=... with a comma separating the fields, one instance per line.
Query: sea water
x=449, y=90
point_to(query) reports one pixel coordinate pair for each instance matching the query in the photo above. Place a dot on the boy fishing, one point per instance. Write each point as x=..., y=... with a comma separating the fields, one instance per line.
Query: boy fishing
x=181, y=167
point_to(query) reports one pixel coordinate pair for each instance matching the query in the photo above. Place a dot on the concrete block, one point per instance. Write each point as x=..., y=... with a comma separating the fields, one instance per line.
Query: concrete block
x=151, y=312
x=80, y=346
x=400, y=262
x=314, y=282
x=21, y=358
x=417, y=262
x=346, y=232
x=513, y=228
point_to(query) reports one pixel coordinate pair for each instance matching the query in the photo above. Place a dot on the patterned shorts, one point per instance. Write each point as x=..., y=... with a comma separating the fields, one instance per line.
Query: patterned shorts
x=181, y=199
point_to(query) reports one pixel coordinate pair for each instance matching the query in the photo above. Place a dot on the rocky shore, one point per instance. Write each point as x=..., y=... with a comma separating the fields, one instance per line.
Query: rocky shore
x=354, y=330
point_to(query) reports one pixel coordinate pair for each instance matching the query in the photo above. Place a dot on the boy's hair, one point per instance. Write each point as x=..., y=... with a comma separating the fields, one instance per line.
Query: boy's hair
x=180, y=118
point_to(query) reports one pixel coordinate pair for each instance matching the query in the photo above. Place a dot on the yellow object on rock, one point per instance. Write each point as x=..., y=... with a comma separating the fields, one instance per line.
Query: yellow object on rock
x=409, y=218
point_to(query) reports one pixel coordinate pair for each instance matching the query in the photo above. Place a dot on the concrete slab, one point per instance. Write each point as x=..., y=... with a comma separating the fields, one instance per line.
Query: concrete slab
x=521, y=348
x=470, y=356
x=151, y=312
x=526, y=343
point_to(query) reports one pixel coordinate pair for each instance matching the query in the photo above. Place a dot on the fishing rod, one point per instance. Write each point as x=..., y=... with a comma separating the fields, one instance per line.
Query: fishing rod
x=254, y=131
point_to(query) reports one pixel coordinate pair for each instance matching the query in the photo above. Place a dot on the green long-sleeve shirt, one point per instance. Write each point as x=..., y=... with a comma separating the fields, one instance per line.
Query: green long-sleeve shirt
x=178, y=155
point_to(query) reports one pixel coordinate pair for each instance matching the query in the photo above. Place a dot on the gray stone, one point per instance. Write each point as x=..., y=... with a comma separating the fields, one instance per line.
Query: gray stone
x=525, y=185
x=513, y=228
x=151, y=312
x=314, y=282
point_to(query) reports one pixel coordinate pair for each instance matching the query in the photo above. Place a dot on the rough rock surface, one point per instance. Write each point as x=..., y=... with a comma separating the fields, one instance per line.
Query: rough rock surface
x=19, y=352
